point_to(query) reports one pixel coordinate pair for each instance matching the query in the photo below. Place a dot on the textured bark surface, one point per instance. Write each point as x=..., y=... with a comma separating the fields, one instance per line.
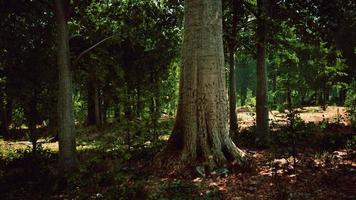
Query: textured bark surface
x=67, y=147
x=262, y=127
x=201, y=132
x=232, y=71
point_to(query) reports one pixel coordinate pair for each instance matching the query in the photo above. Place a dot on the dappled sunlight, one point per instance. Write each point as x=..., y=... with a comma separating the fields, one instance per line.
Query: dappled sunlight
x=177, y=99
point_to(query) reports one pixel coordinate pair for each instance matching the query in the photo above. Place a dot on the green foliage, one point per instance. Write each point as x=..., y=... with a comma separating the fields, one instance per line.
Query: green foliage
x=18, y=117
x=351, y=143
x=350, y=102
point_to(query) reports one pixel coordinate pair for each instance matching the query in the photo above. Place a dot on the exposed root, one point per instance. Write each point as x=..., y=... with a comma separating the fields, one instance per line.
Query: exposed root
x=173, y=162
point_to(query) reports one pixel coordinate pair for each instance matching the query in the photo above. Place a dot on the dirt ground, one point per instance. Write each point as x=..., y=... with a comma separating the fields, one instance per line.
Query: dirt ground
x=315, y=114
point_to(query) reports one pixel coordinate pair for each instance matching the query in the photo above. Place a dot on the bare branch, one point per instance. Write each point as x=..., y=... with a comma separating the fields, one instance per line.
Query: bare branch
x=89, y=49
x=251, y=8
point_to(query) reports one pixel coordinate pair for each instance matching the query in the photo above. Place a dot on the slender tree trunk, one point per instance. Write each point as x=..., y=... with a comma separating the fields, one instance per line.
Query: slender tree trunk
x=90, y=104
x=342, y=96
x=232, y=93
x=5, y=114
x=325, y=97
x=67, y=145
x=104, y=109
x=117, y=109
x=154, y=118
x=139, y=103
x=243, y=95
x=97, y=103
x=262, y=127
x=93, y=115
x=289, y=98
x=201, y=132
x=4, y=128
x=320, y=98
x=32, y=118
x=128, y=106
x=9, y=105
x=232, y=71
x=274, y=87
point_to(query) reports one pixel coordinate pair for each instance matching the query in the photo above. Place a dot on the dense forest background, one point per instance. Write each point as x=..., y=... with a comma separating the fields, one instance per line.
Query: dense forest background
x=89, y=92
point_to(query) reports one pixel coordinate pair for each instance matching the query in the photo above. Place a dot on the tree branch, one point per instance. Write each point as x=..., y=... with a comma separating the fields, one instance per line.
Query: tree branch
x=89, y=49
x=249, y=49
x=251, y=8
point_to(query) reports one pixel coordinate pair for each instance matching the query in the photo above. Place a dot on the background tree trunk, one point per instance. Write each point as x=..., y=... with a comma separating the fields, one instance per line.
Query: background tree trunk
x=262, y=127
x=201, y=132
x=5, y=114
x=67, y=146
x=232, y=72
x=93, y=115
x=232, y=93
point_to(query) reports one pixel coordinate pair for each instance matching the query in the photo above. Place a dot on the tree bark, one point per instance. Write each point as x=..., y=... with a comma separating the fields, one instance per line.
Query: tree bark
x=93, y=115
x=67, y=145
x=232, y=72
x=201, y=132
x=33, y=119
x=4, y=126
x=232, y=93
x=90, y=103
x=289, y=98
x=97, y=104
x=5, y=114
x=262, y=127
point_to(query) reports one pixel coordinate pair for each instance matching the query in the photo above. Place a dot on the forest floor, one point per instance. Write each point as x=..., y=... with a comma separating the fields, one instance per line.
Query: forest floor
x=332, y=114
x=315, y=160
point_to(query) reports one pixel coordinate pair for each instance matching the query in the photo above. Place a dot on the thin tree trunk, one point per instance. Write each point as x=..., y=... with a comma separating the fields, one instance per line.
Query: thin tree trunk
x=9, y=105
x=139, y=106
x=232, y=93
x=342, y=96
x=117, y=109
x=90, y=103
x=262, y=128
x=325, y=97
x=274, y=88
x=32, y=118
x=201, y=132
x=232, y=72
x=4, y=128
x=289, y=98
x=97, y=105
x=67, y=145
x=104, y=109
x=93, y=115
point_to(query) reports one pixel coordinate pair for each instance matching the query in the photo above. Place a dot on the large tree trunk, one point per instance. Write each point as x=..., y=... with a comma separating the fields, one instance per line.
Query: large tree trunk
x=201, y=132
x=262, y=128
x=67, y=146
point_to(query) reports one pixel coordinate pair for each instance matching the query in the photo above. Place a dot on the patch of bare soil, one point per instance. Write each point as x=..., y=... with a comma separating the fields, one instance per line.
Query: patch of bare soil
x=332, y=114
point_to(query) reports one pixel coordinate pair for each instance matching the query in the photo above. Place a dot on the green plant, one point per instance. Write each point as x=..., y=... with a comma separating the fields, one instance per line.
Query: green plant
x=351, y=143
x=350, y=102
